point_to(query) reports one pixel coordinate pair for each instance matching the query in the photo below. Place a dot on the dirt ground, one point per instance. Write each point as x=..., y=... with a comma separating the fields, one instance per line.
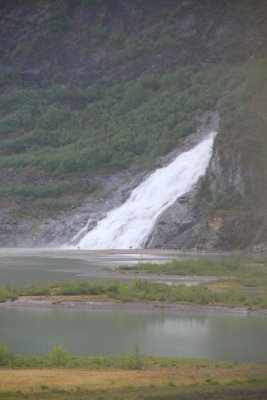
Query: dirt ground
x=27, y=380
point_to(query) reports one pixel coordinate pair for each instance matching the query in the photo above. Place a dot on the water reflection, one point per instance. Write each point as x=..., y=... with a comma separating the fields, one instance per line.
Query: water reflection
x=159, y=332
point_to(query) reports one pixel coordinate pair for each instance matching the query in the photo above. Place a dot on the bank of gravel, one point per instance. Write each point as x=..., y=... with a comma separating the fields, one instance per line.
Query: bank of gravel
x=138, y=305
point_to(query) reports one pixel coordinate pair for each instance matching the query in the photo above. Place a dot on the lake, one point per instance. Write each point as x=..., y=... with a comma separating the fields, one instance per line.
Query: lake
x=223, y=336
x=36, y=330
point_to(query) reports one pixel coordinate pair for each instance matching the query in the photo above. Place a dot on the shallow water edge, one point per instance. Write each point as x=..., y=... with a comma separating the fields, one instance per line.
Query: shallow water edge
x=148, y=305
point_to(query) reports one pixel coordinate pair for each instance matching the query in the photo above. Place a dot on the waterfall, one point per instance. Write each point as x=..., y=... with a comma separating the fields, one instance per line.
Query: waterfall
x=129, y=225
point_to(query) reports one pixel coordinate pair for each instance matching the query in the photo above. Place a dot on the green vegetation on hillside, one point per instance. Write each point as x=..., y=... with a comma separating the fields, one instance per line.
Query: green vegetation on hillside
x=67, y=129
x=243, y=117
x=63, y=130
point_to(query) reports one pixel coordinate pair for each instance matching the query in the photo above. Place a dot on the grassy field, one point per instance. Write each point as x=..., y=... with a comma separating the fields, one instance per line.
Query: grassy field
x=157, y=379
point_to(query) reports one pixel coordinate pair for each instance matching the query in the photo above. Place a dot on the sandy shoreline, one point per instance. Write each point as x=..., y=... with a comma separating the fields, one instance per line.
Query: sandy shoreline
x=139, y=305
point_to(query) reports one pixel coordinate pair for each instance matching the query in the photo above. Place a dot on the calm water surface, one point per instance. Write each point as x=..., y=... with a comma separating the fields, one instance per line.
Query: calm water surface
x=157, y=332
x=28, y=266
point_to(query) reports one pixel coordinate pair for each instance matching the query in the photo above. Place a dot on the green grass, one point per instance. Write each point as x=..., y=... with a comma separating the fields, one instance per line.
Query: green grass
x=8, y=293
x=239, y=284
x=199, y=266
x=60, y=357
x=236, y=269
x=249, y=384
x=159, y=392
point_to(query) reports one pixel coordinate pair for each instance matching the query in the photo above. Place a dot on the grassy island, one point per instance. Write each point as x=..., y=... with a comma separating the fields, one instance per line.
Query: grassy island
x=239, y=282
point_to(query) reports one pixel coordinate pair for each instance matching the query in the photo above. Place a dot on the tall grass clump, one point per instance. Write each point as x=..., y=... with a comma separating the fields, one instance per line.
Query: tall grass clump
x=8, y=293
x=59, y=357
x=6, y=357
x=199, y=266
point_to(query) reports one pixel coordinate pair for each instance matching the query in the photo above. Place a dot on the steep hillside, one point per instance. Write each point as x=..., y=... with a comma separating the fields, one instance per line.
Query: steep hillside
x=228, y=210
x=94, y=91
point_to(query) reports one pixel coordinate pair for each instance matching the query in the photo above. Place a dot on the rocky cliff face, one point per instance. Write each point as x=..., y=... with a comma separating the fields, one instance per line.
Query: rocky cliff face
x=219, y=214
x=79, y=42
x=190, y=224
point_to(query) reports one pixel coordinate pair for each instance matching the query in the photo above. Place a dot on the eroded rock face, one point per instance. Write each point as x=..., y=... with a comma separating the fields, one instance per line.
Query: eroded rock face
x=231, y=193
x=173, y=225
x=64, y=38
x=226, y=174
x=215, y=215
x=184, y=226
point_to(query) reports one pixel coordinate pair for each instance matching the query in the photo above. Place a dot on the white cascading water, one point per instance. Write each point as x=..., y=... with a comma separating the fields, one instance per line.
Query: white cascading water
x=129, y=225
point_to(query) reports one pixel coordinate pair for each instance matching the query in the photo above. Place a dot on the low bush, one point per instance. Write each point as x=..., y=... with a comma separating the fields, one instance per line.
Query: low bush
x=6, y=357
x=59, y=357
x=8, y=293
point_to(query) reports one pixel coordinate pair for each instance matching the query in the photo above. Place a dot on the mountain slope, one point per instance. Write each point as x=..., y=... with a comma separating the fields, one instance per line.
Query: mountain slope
x=93, y=92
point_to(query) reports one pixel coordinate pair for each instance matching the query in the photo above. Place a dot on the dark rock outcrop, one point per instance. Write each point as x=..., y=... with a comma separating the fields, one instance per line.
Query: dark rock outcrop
x=75, y=42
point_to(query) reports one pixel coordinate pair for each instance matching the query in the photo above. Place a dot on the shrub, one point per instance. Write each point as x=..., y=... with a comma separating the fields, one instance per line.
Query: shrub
x=59, y=357
x=5, y=355
x=7, y=293
x=136, y=360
